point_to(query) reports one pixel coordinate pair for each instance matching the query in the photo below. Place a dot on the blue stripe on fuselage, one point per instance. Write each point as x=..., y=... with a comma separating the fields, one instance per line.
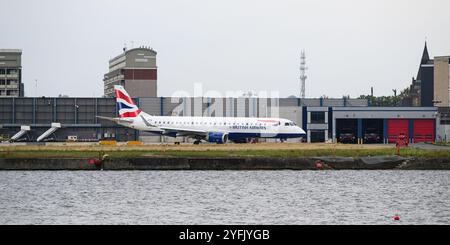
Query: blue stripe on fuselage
x=238, y=136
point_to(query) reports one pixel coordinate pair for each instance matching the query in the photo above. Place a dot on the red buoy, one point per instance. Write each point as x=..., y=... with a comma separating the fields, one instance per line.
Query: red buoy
x=396, y=217
x=95, y=162
x=319, y=165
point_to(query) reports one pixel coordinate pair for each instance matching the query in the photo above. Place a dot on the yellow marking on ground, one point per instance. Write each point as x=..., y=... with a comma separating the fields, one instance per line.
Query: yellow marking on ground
x=108, y=142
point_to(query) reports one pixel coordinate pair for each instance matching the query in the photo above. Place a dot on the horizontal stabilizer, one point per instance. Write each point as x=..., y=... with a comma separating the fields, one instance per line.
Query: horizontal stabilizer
x=116, y=120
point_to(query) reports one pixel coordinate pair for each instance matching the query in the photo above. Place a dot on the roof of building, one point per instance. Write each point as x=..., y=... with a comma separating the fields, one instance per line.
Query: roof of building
x=424, y=61
x=11, y=51
x=126, y=51
x=443, y=58
x=425, y=56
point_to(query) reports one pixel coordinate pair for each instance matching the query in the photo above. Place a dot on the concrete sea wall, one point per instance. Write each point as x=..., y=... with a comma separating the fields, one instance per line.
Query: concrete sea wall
x=229, y=163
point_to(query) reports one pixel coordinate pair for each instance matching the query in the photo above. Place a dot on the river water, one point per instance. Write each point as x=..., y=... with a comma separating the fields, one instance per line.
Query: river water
x=225, y=197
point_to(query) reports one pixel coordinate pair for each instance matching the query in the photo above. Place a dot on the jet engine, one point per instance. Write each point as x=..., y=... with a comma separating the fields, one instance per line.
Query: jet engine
x=215, y=137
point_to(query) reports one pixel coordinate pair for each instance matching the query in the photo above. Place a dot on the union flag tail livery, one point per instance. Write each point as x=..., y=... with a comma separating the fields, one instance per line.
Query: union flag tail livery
x=127, y=107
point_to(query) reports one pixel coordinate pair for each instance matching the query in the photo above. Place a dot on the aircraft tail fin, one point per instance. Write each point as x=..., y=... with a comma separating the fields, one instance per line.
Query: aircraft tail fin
x=127, y=107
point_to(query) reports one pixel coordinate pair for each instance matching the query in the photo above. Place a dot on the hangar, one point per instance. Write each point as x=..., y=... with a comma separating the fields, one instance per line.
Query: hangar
x=384, y=124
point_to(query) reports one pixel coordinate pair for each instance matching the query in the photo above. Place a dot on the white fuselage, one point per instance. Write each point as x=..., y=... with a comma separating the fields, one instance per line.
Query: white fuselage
x=235, y=127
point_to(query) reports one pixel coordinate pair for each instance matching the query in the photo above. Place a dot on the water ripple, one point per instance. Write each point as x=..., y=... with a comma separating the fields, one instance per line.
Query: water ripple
x=225, y=197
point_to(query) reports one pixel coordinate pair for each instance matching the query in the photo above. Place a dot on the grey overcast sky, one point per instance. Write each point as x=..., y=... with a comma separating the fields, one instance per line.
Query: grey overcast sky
x=351, y=45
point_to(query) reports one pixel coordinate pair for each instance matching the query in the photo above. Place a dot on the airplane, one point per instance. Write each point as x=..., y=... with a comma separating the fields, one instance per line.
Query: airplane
x=210, y=129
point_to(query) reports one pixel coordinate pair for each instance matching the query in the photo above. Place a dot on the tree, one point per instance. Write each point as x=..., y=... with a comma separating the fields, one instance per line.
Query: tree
x=395, y=100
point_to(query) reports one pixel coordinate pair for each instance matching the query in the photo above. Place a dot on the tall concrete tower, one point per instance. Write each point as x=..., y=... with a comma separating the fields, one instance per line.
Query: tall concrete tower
x=11, y=73
x=303, y=76
x=136, y=70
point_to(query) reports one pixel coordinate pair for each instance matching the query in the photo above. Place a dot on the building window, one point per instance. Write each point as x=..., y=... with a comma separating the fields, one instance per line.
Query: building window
x=317, y=117
x=12, y=71
x=317, y=136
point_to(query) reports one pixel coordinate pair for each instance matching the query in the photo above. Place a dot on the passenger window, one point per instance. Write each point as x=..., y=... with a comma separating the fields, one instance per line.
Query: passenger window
x=286, y=124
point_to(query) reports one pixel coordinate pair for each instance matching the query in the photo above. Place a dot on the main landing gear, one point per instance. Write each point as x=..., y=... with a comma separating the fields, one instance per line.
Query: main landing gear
x=197, y=142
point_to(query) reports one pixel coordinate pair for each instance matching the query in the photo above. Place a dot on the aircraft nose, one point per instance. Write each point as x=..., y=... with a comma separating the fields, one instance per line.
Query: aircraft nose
x=301, y=131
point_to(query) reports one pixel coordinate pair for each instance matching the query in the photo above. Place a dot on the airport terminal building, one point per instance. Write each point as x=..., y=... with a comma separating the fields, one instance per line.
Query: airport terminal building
x=324, y=120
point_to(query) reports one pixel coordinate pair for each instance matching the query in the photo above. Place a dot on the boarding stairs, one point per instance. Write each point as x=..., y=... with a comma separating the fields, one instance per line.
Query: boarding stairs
x=50, y=131
x=23, y=130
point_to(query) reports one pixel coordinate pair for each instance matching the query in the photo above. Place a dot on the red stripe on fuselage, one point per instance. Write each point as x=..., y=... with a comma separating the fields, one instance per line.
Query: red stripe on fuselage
x=130, y=114
x=268, y=121
x=121, y=95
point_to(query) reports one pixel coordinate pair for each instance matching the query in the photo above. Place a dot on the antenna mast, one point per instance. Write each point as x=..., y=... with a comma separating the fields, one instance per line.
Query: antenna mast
x=303, y=76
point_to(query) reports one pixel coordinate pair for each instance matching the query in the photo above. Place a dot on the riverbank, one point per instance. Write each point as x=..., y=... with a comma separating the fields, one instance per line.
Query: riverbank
x=230, y=163
x=270, y=150
x=220, y=157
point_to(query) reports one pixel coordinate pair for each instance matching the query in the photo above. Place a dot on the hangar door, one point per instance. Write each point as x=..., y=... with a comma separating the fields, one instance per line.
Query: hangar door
x=424, y=130
x=397, y=127
x=347, y=130
x=372, y=131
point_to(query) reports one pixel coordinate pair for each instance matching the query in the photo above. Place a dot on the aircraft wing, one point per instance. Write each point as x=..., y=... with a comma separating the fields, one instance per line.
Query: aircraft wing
x=116, y=120
x=185, y=132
